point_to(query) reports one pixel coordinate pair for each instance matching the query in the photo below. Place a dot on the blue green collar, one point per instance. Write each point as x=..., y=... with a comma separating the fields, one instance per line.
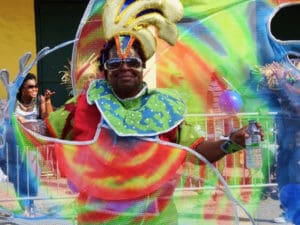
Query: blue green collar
x=147, y=114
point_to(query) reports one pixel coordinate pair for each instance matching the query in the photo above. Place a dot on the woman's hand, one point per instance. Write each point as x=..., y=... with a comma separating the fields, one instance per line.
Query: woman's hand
x=47, y=96
x=239, y=136
x=46, y=105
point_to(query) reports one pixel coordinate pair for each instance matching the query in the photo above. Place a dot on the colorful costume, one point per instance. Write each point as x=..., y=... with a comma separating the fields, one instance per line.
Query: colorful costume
x=116, y=156
x=280, y=86
x=120, y=126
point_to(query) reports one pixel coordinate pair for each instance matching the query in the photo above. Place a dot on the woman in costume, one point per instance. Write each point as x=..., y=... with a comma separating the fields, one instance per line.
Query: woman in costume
x=128, y=166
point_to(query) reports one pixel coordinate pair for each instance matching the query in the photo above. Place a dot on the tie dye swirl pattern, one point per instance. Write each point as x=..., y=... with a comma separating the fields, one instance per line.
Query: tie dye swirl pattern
x=219, y=41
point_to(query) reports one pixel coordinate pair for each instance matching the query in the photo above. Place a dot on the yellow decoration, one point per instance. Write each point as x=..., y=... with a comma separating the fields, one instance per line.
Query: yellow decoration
x=130, y=21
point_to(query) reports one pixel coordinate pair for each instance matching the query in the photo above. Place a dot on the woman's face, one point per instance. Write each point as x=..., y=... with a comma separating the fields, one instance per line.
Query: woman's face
x=126, y=80
x=30, y=89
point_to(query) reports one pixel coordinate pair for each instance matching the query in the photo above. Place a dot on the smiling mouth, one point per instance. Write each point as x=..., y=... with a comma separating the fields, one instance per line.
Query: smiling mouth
x=126, y=75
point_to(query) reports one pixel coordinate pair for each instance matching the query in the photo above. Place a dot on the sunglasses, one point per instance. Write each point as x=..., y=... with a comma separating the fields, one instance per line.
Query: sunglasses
x=31, y=86
x=115, y=63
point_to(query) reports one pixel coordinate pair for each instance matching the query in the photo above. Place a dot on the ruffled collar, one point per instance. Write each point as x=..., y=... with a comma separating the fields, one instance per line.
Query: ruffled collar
x=149, y=113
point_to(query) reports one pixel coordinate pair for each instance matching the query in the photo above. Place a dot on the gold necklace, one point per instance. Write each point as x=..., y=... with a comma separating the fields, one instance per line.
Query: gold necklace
x=26, y=107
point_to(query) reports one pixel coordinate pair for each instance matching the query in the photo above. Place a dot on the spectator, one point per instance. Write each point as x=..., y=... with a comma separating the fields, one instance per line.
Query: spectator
x=23, y=169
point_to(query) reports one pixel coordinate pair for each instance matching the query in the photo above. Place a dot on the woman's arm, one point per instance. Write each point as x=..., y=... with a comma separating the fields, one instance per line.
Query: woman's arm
x=215, y=150
x=21, y=119
x=46, y=104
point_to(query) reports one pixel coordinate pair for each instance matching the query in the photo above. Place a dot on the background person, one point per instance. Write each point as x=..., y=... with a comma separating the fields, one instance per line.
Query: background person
x=23, y=169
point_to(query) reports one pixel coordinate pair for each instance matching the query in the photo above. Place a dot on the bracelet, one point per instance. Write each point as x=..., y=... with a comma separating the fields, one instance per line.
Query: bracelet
x=46, y=102
x=230, y=147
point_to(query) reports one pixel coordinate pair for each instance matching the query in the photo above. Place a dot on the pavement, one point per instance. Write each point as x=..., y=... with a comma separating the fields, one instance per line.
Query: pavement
x=54, y=205
x=267, y=211
x=263, y=212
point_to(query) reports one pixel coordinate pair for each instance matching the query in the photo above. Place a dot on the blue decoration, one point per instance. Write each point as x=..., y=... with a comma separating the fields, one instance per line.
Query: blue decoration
x=289, y=198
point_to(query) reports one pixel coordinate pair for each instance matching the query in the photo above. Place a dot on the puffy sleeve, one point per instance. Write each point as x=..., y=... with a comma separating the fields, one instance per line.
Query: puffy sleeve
x=183, y=135
x=60, y=122
x=190, y=133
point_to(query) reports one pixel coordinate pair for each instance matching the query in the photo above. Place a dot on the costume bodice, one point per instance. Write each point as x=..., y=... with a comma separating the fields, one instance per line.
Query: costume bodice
x=149, y=113
x=28, y=115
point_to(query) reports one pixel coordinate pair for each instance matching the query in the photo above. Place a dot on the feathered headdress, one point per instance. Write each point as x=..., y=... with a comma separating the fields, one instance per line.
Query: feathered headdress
x=135, y=19
x=124, y=21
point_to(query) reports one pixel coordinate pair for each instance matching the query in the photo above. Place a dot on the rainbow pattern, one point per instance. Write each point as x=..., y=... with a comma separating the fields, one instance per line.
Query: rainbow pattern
x=219, y=41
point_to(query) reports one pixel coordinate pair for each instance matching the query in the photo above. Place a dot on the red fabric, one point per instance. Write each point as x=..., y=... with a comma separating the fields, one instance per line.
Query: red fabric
x=107, y=169
x=85, y=126
x=107, y=159
x=70, y=107
x=86, y=119
x=68, y=127
x=197, y=142
x=171, y=136
x=161, y=196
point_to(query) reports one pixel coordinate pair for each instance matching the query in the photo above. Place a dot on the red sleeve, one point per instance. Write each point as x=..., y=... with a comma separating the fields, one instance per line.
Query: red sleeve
x=170, y=136
x=86, y=119
x=60, y=122
x=197, y=142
